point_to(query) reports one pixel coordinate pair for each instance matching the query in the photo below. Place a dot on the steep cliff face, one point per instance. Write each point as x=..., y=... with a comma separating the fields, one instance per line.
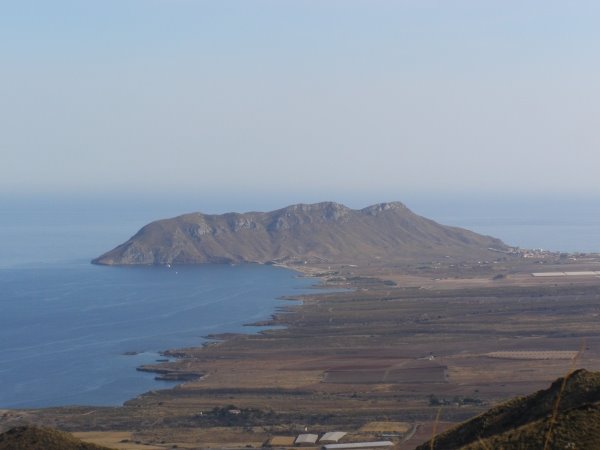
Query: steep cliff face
x=322, y=232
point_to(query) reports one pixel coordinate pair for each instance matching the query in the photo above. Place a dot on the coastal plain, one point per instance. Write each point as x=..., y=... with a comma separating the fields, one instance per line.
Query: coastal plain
x=422, y=347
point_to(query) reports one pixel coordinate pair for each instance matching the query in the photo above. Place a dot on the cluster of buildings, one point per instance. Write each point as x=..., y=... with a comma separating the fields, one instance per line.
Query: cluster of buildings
x=330, y=441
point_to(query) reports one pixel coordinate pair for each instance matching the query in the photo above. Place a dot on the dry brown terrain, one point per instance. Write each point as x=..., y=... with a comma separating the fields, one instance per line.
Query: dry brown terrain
x=410, y=346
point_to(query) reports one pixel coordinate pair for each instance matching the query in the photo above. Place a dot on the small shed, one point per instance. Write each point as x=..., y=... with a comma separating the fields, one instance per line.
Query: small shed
x=332, y=437
x=307, y=439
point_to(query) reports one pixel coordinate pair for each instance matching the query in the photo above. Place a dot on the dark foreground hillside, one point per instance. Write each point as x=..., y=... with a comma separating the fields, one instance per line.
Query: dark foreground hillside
x=564, y=416
x=34, y=438
x=320, y=233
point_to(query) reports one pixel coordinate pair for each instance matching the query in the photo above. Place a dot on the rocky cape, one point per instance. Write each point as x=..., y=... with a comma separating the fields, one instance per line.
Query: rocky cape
x=317, y=233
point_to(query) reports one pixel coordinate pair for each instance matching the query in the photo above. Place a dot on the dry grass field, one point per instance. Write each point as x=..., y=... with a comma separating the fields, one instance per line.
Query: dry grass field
x=385, y=427
x=568, y=355
x=119, y=440
x=282, y=441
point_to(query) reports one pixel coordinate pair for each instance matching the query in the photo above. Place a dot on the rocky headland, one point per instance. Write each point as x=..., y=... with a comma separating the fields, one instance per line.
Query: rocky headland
x=302, y=234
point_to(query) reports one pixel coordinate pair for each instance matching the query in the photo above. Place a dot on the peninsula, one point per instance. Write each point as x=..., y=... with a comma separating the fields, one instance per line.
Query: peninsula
x=302, y=234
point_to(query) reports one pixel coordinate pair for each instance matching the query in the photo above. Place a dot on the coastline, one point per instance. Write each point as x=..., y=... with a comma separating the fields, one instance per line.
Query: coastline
x=189, y=309
x=168, y=371
x=375, y=353
x=165, y=372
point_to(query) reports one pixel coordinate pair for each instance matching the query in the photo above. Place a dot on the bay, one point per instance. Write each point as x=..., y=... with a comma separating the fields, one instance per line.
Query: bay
x=556, y=223
x=65, y=328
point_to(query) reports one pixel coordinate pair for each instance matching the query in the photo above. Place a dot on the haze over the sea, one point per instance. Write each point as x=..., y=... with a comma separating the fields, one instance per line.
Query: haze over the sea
x=54, y=229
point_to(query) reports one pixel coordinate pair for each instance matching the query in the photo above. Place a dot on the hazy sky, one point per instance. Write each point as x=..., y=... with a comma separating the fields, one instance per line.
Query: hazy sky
x=316, y=96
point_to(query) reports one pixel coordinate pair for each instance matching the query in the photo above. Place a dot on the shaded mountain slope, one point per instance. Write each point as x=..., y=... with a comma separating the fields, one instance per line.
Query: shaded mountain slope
x=34, y=438
x=322, y=232
x=524, y=423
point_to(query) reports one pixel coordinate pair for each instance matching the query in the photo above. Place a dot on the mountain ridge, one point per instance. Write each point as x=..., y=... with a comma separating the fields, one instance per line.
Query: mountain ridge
x=325, y=232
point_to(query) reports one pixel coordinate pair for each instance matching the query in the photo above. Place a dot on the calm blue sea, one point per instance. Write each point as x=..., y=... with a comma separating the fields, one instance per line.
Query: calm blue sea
x=66, y=324
x=565, y=224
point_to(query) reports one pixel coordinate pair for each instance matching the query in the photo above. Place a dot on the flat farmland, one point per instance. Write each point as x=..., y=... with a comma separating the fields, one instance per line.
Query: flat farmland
x=414, y=373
